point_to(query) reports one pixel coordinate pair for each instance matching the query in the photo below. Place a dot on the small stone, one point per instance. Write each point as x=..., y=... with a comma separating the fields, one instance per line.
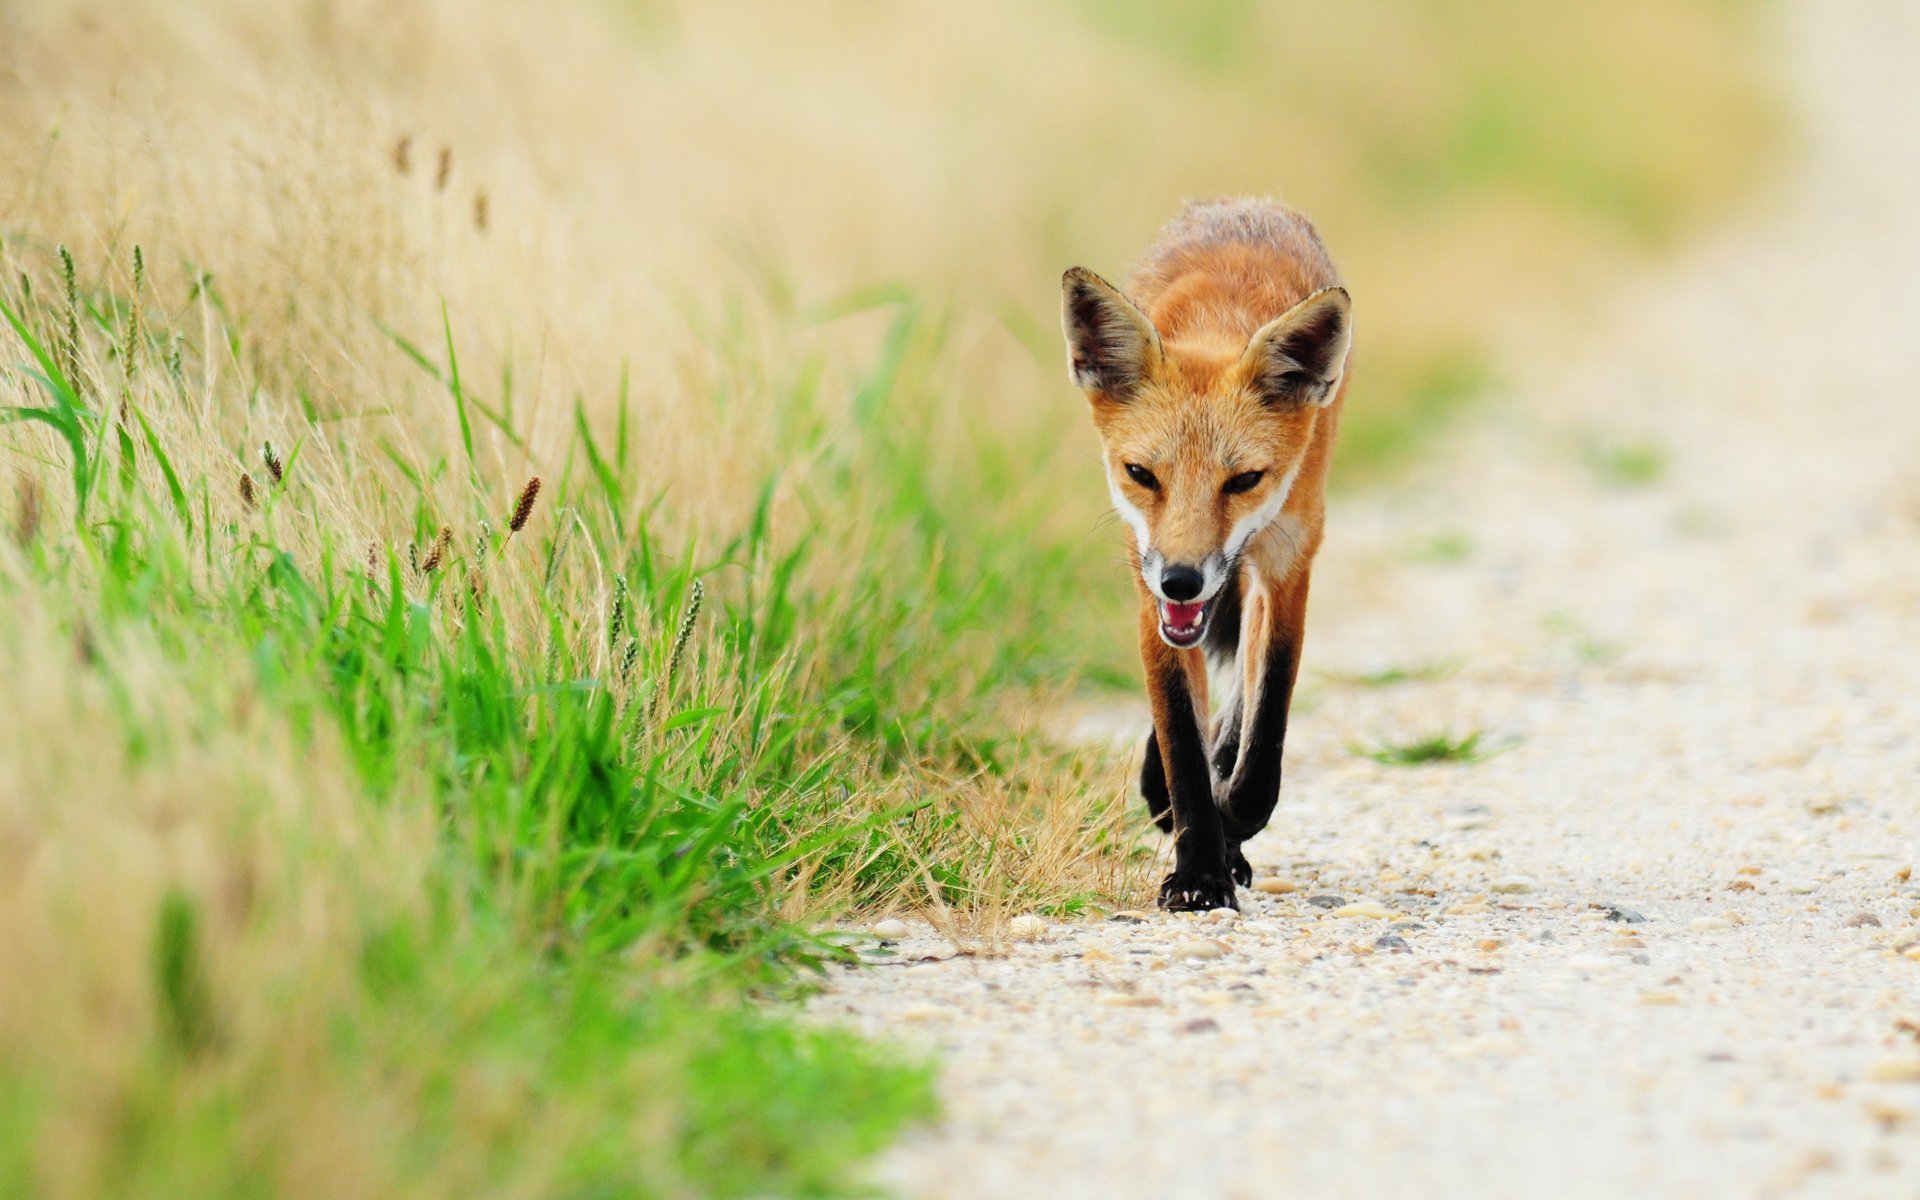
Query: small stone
x=1471, y=908
x=890, y=930
x=1203, y=1025
x=1659, y=999
x=1126, y=1000
x=1802, y=888
x=1616, y=913
x=1489, y=945
x=1329, y=900
x=1372, y=910
x=1912, y=952
x=1406, y=927
x=1708, y=924
x=1027, y=928
x=1200, y=948
x=1862, y=920
x=1890, y=1114
x=1129, y=916
x=1393, y=943
x=1275, y=886
x=1733, y=918
x=1514, y=885
x=925, y=1012
x=1903, y=874
x=1895, y=1068
x=1749, y=869
x=1740, y=885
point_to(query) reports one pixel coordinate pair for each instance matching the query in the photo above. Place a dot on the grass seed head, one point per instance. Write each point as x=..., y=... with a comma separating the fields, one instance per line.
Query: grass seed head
x=438, y=554
x=523, y=508
x=445, y=170
x=246, y=489
x=617, y=613
x=480, y=213
x=273, y=462
x=403, y=155
x=26, y=509
x=685, y=633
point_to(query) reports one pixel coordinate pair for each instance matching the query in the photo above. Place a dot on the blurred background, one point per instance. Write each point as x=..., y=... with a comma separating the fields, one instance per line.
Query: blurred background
x=768, y=295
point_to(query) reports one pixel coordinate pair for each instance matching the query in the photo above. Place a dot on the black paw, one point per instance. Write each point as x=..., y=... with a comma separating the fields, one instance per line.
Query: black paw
x=1184, y=892
x=1239, y=867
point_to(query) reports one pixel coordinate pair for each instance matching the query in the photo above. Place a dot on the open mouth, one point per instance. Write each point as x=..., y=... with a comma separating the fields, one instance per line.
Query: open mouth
x=1183, y=625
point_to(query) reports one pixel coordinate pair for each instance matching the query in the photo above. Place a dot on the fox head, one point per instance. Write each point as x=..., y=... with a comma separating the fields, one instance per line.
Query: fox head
x=1202, y=440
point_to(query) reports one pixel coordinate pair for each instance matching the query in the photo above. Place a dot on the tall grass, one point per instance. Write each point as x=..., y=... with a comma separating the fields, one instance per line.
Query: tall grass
x=373, y=821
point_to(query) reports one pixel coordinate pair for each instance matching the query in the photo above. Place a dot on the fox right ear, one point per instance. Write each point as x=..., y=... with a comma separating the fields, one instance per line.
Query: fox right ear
x=1111, y=344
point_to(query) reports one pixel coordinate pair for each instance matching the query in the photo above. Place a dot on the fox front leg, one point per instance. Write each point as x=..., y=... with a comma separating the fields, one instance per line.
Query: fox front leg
x=1176, y=686
x=1270, y=662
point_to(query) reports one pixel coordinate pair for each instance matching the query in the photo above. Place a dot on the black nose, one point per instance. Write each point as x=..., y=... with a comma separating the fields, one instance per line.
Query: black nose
x=1180, y=584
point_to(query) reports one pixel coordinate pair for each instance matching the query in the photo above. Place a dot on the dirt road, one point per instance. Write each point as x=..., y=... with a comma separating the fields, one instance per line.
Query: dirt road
x=1657, y=948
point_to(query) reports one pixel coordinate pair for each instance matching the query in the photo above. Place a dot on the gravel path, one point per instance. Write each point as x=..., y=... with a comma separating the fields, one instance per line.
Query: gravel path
x=1657, y=948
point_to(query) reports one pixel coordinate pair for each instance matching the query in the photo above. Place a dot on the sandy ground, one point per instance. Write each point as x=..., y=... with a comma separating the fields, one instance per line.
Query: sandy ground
x=1710, y=683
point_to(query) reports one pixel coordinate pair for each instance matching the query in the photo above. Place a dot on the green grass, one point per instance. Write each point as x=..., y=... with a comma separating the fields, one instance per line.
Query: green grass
x=1626, y=464
x=1433, y=748
x=628, y=797
x=1392, y=676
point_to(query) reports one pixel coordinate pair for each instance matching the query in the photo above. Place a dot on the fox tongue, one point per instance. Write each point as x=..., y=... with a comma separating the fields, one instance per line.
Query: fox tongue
x=1184, y=616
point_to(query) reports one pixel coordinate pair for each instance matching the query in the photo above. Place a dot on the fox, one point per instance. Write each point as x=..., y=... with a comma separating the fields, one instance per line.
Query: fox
x=1216, y=382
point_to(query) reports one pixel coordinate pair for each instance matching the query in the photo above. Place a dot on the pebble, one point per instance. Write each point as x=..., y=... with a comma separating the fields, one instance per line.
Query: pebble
x=925, y=1012
x=1903, y=874
x=1200, y=948
x=1326, y=901
x=1912, y=952
x=1616, y=913
x=1861, y=920
x=890, y=930
x=1469, y=909
x=1708, y=924
x=1203, y=1025
x=1740, y=885
x=1126, y=1000
x=1129, y=916
x=1394, y=943
x=1515, y=885
x=1027, y=928
x=1659, y=999
x=1373, y=910
x=1895, y=1068
x=1274, y=886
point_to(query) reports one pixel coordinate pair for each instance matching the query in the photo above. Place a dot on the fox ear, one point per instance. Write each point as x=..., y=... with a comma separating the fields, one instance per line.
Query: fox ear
x=1298, y=357
x=1111, y=344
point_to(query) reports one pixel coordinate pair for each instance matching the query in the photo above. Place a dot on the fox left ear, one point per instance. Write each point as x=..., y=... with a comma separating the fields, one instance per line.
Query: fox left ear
x=1298, y=357
x=1112, y=346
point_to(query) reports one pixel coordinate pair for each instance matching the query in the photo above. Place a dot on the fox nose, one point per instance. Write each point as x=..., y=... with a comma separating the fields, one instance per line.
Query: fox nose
x=1180, y=584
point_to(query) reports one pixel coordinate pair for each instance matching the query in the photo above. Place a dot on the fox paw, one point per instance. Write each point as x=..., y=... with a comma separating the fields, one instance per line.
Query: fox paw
x=1239, y=867
x=1186, y=892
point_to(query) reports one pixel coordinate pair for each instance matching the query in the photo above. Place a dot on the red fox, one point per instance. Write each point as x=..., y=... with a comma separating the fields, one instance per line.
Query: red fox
x=1216, y=390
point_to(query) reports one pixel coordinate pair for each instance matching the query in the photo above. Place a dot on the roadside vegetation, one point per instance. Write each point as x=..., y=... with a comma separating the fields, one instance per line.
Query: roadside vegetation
x=517, y=519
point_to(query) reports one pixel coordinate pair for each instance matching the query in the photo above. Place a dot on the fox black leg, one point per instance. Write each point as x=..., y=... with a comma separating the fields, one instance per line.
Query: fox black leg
x=1153, y=784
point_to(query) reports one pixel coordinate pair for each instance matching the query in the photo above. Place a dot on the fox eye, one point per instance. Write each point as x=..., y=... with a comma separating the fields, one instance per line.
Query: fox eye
x=1143, y=477
x=1245, y=481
